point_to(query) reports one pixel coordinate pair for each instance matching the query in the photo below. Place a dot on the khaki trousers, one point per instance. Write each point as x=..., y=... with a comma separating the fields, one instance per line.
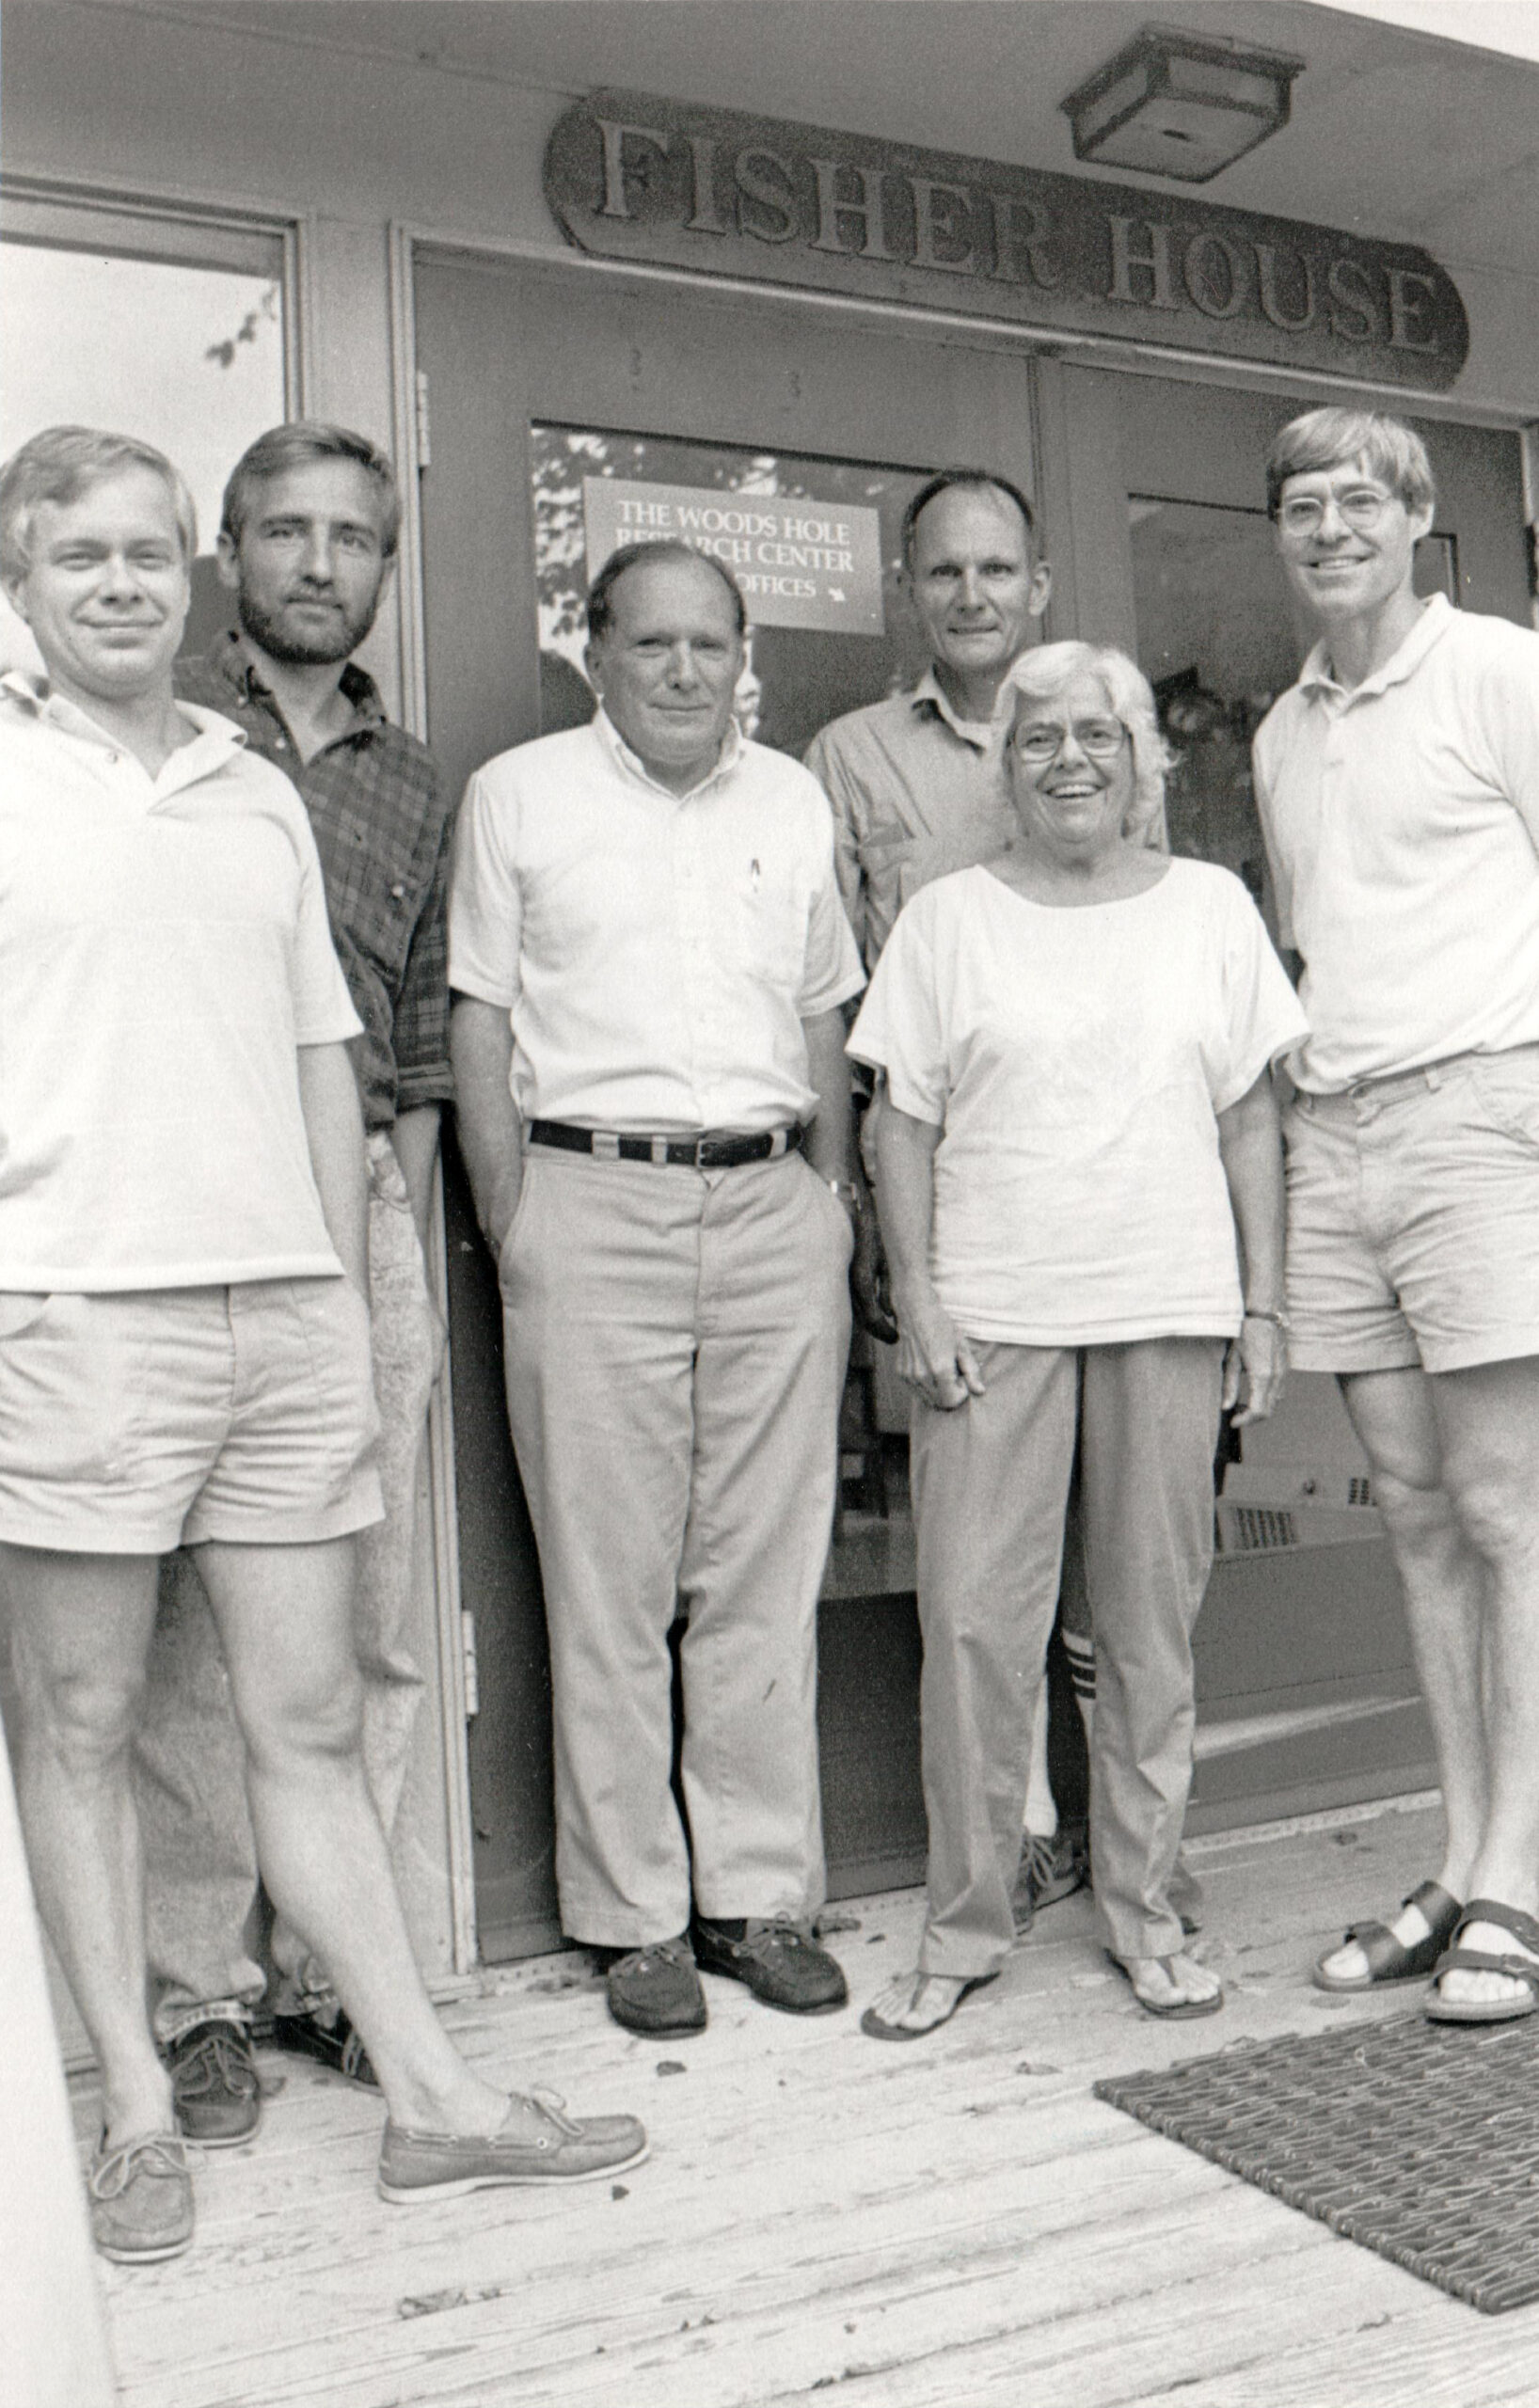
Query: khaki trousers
x=674, y=1346
x=990, y=1484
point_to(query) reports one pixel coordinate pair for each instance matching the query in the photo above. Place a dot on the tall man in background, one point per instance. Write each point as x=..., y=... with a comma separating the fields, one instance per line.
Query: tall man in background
x=307, y=547
x=1398, y=783
x=918, y=790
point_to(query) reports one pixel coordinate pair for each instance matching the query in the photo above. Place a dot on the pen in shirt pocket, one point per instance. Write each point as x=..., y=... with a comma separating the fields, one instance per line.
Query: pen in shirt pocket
x=753, y=876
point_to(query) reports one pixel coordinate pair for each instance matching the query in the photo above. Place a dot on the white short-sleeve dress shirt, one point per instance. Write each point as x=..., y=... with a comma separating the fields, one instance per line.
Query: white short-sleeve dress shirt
x=1402, y=819
x=656, y=952
x=1076, y=1061
x=164, y=953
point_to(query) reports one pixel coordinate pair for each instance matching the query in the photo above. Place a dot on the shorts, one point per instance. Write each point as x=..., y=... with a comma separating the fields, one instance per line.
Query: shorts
x=1412, y=1218
x=131, y=1422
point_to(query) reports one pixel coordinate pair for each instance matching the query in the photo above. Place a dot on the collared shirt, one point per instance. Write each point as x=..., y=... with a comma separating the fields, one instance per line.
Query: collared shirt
x=1402, y=818
x=656, y=952
x=916, y=792
x=382, y=831
x=164, y=952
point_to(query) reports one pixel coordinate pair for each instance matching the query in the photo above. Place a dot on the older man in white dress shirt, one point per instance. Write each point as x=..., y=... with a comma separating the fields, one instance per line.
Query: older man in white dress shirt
x=648, y=956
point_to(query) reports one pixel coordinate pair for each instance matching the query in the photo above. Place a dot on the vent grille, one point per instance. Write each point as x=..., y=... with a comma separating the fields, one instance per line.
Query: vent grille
x=1250, y=1530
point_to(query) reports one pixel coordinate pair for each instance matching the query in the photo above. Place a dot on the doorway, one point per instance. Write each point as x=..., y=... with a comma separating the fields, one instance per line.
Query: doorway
x=568, y=415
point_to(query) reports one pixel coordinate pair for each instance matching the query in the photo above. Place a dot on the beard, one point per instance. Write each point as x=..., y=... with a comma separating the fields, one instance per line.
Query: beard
x=337, y=639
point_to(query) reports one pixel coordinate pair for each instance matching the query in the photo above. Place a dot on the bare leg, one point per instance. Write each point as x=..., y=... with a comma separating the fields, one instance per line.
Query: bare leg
x=285, y=1617
x=81, y=1632
x=1445, y=1583
x=1488, y=1419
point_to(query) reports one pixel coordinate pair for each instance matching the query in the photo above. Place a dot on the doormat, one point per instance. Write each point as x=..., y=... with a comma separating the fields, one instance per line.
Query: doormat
x=1418, y=2140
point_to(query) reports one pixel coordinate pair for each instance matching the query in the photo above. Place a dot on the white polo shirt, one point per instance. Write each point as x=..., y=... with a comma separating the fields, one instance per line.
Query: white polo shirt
x=164, y=953
x=658, y=953
x=1402, y=818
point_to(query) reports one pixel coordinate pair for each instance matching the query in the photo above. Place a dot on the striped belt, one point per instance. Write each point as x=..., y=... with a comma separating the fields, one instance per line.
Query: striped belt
x=713, y=1149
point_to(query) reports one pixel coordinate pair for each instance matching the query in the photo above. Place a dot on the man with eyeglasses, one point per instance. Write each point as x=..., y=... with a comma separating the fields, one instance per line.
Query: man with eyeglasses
x=1398, y=783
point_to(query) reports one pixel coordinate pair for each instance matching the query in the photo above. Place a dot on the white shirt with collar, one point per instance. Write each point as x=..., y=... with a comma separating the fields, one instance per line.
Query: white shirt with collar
x=164, y=952
x=656, y=952
x=1402, y=819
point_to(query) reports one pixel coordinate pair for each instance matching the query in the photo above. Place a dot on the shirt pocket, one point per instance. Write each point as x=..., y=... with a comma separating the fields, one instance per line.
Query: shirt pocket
x=767, y=926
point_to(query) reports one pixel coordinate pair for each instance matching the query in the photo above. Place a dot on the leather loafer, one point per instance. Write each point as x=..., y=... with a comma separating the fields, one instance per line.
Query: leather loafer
x=656, y=1990
x=549, y=2145
x=779, y=1963
x=214, y=2087
x=141, y=2199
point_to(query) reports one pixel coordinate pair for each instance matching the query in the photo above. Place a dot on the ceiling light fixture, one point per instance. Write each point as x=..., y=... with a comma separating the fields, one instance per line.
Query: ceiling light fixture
x=1182, y=104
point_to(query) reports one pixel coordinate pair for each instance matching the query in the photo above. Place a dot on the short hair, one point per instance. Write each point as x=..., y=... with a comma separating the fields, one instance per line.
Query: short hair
x=297, y=444
x=1048, y=668
x=64, y=462
x=967, y=481
x=629, y=556
x=1324, y=438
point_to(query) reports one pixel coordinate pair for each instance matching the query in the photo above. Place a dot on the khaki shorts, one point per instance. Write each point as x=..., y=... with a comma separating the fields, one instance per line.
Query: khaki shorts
x=1412, y=1218
x=134, y=1422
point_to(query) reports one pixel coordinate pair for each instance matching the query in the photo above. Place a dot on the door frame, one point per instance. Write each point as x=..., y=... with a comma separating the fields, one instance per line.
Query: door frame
x=1092, y=584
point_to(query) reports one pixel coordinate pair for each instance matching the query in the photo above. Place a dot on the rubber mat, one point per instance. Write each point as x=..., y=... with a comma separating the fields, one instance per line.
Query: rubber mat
x=1417, y=2140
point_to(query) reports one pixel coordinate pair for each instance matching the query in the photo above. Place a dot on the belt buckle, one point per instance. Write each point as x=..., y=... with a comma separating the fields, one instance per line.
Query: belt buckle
x=707, y=1153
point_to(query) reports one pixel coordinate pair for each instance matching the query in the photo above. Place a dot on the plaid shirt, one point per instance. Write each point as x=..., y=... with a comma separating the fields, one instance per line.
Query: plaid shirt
x=382, y=832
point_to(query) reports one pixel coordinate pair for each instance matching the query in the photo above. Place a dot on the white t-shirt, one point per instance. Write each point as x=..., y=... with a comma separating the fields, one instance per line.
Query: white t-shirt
x=1402, y=818
x=657, y=952
x=1076, y=1059
x=164, y=953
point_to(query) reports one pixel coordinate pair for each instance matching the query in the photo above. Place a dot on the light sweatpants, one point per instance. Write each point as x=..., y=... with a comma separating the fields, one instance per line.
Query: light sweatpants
x=189, y=1764
x=991, y=1484
x=675, y=1344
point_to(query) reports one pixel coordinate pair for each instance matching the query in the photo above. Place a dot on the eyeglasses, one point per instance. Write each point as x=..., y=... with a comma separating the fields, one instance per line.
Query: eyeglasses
x=1102, y=738
x=1361, y=508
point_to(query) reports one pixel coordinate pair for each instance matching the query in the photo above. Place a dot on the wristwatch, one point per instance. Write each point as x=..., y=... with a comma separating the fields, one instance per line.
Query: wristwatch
x=1280, y=1320
x=847, y=1192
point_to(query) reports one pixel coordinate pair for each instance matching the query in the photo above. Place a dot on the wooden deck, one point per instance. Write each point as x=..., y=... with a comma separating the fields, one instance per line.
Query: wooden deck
x=934, y=2226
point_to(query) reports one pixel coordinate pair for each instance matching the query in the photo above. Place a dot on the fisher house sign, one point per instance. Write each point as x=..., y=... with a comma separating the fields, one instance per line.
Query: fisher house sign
x=632, y=178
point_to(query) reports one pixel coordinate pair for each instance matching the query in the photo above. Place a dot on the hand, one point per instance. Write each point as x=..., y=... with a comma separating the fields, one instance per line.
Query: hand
x=868, y=1286
x=1255, y=1367
x=937, y=1361
x=504, y=1211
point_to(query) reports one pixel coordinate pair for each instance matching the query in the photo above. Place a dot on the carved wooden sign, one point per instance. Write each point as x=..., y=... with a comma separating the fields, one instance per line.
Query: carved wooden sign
x=633, y=177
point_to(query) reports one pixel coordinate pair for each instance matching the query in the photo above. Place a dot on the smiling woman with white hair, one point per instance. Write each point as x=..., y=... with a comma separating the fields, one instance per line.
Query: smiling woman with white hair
x=1079, y=1176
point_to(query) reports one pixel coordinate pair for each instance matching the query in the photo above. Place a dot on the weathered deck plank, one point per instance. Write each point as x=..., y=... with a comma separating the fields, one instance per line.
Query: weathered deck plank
x=932, y=2226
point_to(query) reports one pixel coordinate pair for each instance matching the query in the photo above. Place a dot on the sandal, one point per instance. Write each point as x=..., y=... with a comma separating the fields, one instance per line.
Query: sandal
x=876, y=2027
x=1480, y=1960
x=1181, y=2010
x=1388, y=1959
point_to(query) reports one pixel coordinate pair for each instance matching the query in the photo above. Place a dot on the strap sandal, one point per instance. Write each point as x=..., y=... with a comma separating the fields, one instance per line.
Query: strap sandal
x=1524, y=1930
x=1388, y=1959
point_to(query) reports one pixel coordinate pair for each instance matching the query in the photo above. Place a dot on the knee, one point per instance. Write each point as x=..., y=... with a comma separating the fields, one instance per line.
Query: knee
x=1417, y=1508
x=83, y=1719
x=308, y=1726
x=1498, y=1514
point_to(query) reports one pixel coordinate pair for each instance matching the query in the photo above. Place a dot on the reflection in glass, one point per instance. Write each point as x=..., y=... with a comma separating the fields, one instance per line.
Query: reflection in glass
x=188, y=358
x=855, y=644
x=1220, y=635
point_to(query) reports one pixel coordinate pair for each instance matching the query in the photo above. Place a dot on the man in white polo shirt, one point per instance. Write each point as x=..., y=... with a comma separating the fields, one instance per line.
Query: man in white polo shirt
x=183, y=1332
x=648, y=957
x=1399, y=789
